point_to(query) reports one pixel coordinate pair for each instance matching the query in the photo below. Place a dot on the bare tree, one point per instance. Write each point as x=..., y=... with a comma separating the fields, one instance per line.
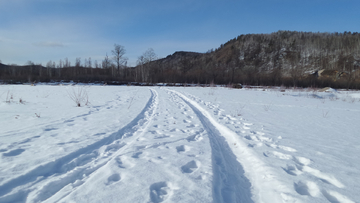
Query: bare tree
x=143, y=63
x=89, y=63
x=49, y=64
x=149, y=55
x=61, y=64
x=67, y=63
x=139, y=72
x=30, y=63
x=118, y=57
x=106, y=62
x=77, y=62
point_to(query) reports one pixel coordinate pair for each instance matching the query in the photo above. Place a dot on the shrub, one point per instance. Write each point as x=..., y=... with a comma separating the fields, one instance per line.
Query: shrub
x=79, y=96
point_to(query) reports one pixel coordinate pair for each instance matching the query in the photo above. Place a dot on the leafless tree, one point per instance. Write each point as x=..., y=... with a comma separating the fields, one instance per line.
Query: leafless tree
x=78, y=62
x=143, y=63
x=118, y=56
x=106, y=62
x=139, y=72
x=149, y=55
x=67, y=63
x=89, y=63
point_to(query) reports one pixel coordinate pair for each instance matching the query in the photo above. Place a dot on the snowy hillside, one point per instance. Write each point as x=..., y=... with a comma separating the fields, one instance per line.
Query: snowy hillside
x=194, y=144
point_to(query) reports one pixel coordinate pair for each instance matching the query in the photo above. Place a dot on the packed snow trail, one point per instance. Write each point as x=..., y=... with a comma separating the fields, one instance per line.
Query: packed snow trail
x=228, y=148
x=229, y=182
x=169, y=161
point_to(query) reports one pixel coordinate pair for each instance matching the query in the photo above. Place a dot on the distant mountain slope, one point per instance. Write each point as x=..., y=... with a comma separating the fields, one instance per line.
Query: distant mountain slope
x=249, y=58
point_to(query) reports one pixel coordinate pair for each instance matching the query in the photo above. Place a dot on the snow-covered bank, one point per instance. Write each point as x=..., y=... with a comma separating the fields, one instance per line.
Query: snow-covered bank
x=175, y=144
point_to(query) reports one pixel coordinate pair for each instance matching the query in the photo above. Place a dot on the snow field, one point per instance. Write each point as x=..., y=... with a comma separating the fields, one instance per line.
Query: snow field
x=318, y=152
x=134, y=144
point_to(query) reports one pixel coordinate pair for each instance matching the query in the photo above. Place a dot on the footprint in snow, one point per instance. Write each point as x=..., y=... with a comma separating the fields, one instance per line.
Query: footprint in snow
x=124, y=162
x=15, y=152
x=192, y=126
x=190, y=167
x=113, y=178
x=194, y=138
x=307, y=188
x=292, y=170
x=155, y=132
x=251, y=137
x=182, y=148
x=160, y=191
x=335, y=197
x=175, y=130
x=326, y=178
x=136, y=155
x=49, y=129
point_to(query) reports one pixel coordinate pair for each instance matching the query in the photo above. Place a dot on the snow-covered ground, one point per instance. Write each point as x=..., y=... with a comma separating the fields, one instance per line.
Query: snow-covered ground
x=193, y=144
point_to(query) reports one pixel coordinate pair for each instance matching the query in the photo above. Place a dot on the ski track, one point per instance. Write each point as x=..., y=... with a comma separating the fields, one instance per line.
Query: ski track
x=74, y=166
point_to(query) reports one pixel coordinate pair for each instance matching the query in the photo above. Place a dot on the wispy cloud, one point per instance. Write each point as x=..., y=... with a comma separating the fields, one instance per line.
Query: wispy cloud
x=48, y=44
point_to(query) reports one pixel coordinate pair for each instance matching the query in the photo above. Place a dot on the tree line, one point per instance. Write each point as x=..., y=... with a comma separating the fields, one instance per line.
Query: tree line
x=287, y=58
x=111, y=69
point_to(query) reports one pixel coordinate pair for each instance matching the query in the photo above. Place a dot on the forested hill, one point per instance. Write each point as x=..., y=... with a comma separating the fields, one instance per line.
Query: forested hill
x=266, y=59
x=281, y=58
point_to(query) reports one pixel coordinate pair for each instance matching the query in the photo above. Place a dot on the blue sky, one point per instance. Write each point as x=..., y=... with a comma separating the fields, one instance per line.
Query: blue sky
x=43, y=30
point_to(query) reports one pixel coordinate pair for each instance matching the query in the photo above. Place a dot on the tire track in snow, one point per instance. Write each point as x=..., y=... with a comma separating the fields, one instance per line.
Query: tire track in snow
x=73, y=166
x=239, y=175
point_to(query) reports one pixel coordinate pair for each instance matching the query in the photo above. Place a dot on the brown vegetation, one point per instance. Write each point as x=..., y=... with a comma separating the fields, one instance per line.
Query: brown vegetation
x=282, y=58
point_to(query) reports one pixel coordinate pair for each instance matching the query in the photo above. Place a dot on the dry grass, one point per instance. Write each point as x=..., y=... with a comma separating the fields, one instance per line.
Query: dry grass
x=79, y=96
